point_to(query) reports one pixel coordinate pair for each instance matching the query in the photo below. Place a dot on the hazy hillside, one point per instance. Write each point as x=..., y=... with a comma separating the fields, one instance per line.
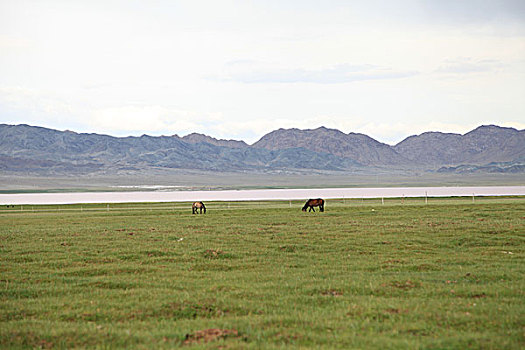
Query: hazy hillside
x=41, y=151
x=482, y=145
x=199, y=138
x=50, y=151
x=359, y=147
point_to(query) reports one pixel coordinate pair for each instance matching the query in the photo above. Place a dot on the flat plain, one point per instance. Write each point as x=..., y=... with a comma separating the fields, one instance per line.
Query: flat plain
x=448, y=274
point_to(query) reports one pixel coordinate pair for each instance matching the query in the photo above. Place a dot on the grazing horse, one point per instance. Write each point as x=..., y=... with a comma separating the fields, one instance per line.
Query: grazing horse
x=311, y=203
x=196, y=206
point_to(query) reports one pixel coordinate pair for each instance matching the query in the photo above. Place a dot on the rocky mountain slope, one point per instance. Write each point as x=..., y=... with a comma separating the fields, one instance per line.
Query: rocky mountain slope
x=482, y=145
x=200, y=138
x=38, y=150
x=50, y=151
x=359, y=147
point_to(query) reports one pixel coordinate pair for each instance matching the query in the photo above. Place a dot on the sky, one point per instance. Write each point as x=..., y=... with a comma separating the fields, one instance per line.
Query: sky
x=240, y=69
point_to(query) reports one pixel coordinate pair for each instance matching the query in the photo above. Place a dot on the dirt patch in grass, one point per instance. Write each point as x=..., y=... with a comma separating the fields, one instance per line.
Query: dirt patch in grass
x=288, y=248
x=212, y=334
x=478, y=296
x=213, y=253
x=471, y=295
x=365, y=253
x=392, y=261
x=332, y=292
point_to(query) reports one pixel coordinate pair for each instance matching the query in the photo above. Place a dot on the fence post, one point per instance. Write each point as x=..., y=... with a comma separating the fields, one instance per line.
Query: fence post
x=426, y=197
x=472, y=197
x=382, y=201
x=107, y=207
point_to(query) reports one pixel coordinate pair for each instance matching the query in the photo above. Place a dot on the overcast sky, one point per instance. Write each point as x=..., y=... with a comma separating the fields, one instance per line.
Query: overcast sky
x=239, y=69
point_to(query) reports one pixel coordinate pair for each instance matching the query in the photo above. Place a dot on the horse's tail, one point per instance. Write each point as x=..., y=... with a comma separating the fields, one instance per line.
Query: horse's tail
x=321, y=205
x=203, y=207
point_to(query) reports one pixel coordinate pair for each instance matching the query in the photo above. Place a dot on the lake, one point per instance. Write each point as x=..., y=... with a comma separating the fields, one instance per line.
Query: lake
x=265, y=194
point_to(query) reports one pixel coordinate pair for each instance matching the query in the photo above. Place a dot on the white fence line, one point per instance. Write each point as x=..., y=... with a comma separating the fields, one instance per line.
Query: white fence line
x=234, y=205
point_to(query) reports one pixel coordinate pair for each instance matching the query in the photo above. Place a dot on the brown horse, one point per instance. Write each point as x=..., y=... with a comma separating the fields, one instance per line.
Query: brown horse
x=196, y=206
x=311, y=203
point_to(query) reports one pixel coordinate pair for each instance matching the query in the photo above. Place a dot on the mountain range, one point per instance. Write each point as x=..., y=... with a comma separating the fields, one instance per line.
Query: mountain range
x=42, y=151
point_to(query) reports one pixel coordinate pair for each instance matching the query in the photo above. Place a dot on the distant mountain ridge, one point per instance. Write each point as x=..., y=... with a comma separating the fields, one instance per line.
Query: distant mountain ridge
x=63, y=151
x=38, y=150
x=199, y=138
x=359, y=147
x=485, y=144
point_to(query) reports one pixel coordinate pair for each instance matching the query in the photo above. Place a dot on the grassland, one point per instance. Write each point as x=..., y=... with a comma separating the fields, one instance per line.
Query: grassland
x=449, y=274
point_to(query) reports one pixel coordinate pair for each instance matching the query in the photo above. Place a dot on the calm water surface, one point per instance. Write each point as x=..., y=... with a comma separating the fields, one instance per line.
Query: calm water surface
x=242, y=195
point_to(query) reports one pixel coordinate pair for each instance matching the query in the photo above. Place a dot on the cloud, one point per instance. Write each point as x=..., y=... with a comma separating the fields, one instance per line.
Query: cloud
x=477, y=11
x=13, y=42
x=468, y=66
x=251, y=73
x=35, y=106
x=145, y=119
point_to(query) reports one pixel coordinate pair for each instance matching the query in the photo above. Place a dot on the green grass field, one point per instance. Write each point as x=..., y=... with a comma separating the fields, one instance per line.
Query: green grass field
x=449, y=274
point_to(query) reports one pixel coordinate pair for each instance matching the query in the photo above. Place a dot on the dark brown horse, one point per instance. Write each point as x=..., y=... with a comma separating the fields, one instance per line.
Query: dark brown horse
x=311, y=203
x=196, y=206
